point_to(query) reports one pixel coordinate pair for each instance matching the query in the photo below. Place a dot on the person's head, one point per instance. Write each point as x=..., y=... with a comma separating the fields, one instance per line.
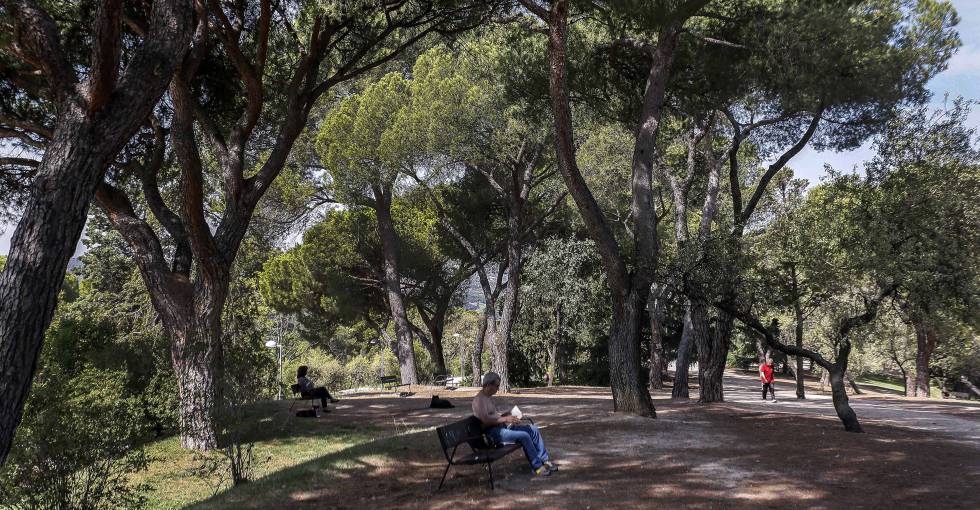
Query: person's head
x=768, y=360
x=301, y=371
x=490, y=383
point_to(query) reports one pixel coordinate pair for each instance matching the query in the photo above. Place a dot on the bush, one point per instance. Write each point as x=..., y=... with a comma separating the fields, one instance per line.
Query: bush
x=77, y=445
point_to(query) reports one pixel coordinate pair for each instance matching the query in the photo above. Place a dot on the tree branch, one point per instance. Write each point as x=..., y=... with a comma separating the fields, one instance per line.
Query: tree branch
x=105, y=54
x=37, y=36
x=760, y=189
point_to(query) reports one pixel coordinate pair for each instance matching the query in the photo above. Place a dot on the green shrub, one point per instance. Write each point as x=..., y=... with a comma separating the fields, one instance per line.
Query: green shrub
x=77, y=445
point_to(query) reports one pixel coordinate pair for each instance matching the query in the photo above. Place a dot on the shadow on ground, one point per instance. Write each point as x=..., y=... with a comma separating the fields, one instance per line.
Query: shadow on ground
x=694, y=456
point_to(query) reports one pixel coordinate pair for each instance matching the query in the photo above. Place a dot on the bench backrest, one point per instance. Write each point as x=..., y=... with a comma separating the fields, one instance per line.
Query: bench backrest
x=388, y=379
x=459, y=432
x=295, y=388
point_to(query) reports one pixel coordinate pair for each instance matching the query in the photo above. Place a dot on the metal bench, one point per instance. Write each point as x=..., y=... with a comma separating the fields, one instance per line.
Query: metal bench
x=470, y=431
x=441, y=379
x=389, y=381
x=299, y=396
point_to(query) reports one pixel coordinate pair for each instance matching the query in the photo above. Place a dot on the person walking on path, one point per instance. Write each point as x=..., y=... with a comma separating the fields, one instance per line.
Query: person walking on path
x=766, y=374
x=502, y=428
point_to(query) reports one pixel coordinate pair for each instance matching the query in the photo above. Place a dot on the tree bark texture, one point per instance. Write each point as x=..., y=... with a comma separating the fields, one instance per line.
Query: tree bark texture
x=91, y=128
x=684, y=350
x=656, y=305
x=198, y=364
x=798, y=316
x=629, y=394
x=477, y=356
x=847, y=415
x=392, y=282
x=712, y=351
x=835, y=370
x=925, y=343
x=436, y=324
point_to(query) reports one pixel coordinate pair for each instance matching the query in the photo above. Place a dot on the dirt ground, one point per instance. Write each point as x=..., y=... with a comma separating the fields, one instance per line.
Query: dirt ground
x=739, y=454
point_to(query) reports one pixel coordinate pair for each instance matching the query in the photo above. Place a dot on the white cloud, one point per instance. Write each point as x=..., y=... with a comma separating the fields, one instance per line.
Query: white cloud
x=966, y=62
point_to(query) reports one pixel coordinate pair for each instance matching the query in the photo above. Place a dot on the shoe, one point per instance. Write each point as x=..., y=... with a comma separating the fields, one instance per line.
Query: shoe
x=551, y=466
x=774, y=401
x=542, y=471
x=334, y=400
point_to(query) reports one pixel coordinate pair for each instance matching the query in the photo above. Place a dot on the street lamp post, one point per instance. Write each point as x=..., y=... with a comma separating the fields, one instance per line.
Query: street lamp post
x=278, y=346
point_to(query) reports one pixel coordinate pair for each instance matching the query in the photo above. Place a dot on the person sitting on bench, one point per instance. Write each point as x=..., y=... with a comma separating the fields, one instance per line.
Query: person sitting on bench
x=306, y=387
x=504, y=428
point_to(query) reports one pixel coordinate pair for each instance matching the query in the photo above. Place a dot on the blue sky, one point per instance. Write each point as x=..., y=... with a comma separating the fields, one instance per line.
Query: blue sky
x=961, y=79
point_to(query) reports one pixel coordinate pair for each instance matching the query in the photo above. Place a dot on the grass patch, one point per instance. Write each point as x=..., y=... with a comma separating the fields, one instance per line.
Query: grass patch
x=893, y=384
x=288, y=453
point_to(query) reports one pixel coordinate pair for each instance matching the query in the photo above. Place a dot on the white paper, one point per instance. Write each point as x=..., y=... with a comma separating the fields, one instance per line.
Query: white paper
x=516, y=411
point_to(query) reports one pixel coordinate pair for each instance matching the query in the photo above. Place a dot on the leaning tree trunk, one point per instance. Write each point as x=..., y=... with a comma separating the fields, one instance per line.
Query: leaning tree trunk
x=925, y=340
x=40, y=249
x=392, y=283
x=841, y=405
x=90, y=130
x=629, y=394
x=684, y=351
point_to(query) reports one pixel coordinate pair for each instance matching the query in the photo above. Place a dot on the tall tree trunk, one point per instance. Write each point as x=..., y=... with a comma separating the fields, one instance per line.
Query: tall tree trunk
x=477, y=356
x=684, y=350
x=629, y=393
x=798, y=316
x=712, y=351
x=552, y=354
x=392, y=283
x=436, y=326
x=656, y=307
x=501, y=338
x=925, y=343
x=841, y=405
x=90, y=129
x=198, y=364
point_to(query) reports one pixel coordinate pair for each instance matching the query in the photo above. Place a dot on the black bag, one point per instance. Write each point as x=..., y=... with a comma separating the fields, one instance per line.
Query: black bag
x=440, y=403
x=306, y=413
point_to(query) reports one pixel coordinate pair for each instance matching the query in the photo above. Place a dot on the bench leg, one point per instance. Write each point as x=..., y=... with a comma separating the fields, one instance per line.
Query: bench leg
x=490, y=470
x=444, y=473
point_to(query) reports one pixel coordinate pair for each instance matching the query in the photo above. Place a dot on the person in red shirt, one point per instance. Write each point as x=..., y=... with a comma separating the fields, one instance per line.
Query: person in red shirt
x=765, y=373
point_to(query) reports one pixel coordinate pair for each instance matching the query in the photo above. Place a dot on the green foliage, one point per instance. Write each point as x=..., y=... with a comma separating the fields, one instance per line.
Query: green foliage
x=564, y=309
x=80, y=438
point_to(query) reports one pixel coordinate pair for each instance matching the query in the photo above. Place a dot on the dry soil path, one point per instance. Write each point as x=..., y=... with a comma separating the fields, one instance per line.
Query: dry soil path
x=955, y=420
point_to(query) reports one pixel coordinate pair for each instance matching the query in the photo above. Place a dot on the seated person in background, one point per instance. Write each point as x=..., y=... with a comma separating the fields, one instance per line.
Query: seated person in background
x=306, y=388
x=503, y=428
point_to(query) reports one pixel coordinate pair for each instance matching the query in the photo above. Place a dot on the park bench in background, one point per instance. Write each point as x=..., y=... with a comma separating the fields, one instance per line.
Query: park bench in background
x=439, y=379
x=470, y=431
x=389, y=381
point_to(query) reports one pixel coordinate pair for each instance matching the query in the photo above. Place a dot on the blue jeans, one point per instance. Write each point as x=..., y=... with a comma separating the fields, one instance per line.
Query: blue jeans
x=527, y=436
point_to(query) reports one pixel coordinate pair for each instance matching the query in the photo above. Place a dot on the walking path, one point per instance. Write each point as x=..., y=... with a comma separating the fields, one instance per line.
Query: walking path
x=956, y=420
